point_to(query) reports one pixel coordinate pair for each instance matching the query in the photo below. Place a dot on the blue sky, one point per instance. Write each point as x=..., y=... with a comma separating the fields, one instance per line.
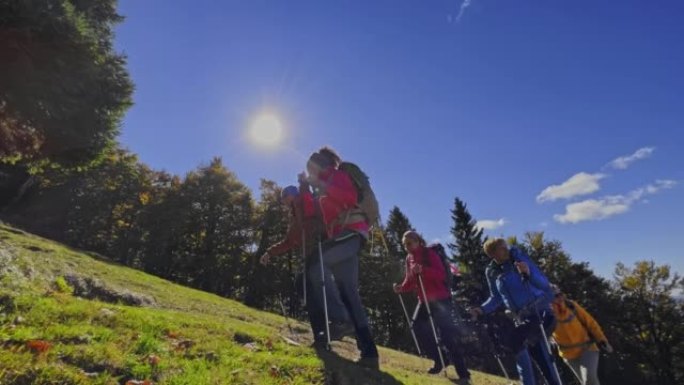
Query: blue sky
x=495, y=106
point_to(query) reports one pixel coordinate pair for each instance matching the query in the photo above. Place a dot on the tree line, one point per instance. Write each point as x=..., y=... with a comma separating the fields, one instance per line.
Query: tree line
x=206, y=230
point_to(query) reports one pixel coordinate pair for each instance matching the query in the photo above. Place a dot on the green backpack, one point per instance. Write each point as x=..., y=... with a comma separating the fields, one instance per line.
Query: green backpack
x=367, y=203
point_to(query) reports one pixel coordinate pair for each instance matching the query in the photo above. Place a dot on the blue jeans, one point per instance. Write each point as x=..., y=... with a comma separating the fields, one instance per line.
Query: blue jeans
x=341, y=269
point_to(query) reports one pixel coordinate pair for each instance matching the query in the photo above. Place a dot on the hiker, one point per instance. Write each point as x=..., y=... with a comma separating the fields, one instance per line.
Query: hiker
x=336, y=201
x=424, y=262
x=300, y=229
x=578, y=337
x=517, y=283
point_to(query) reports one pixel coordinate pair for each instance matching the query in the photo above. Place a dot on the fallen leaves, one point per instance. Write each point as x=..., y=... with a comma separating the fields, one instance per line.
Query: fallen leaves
x=38, y=346
x=153, y=359
x=172, y=334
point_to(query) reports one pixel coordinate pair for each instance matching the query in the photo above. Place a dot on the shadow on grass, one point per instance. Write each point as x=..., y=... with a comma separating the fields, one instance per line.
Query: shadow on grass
x=342, y=371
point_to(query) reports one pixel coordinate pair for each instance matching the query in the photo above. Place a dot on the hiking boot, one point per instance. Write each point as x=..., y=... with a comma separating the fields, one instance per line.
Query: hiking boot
x=464, y=381
x=339, y=330
x=369, y=362
x=436, y=368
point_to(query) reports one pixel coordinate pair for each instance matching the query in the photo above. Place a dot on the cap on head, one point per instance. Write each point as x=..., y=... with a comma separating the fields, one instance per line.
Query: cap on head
x=289, y=191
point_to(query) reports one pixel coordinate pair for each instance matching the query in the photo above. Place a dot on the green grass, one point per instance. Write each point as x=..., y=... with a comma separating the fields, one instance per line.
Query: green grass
x=188, y=337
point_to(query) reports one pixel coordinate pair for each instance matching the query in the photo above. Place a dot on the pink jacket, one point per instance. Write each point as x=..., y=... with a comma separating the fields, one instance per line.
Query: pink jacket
x=433, y=275
x=338, y=196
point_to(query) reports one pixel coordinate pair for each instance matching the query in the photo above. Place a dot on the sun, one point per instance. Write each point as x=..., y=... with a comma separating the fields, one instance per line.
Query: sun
x=266, y=130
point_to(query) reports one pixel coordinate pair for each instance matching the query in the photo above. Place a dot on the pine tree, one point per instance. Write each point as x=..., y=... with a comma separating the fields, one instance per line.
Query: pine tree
x=379, y=271
x=397, y=224
x=467, y=251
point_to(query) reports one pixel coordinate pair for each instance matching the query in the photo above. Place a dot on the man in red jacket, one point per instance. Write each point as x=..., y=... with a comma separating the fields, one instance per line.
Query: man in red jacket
x=334, y=201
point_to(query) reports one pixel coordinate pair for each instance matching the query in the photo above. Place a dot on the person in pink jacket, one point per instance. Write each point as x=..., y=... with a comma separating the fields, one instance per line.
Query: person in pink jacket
x=424, y=262
x=335, y=198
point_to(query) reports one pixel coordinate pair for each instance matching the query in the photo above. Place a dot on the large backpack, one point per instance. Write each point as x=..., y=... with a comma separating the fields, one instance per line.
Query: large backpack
x=450, y=279
x=367, y=203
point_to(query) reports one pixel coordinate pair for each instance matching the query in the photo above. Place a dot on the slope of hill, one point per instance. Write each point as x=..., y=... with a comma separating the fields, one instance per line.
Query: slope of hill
x=67, y=317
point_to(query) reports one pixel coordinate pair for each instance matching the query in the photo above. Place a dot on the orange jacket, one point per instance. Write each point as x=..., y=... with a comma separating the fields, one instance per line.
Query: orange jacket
x=576, y=330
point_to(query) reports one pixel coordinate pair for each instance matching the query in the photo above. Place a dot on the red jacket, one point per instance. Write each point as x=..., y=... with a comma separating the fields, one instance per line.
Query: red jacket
x=433, y=275
x=337, y=197
x=300, y=227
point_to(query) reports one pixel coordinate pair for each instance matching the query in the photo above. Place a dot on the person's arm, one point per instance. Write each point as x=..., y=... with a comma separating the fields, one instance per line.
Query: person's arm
x=409, y=283
x=535, y=276
x=291, y=240
x=308, y=204
x=593, y=328
x=494, y=301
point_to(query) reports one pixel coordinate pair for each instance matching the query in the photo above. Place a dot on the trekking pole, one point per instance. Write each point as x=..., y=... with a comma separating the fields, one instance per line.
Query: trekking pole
x=384, y=241
x=548, y=349
x=372, y=238
x=432, y=323
x=501, y=365
x=503, y=368
x=496, y=355
x=304, y=266
x=287, y=319
x=325, y=295
x=410, y=323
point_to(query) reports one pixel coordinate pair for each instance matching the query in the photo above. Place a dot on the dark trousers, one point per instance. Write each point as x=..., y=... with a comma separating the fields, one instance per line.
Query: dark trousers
x=529, y=343
x=447, y=331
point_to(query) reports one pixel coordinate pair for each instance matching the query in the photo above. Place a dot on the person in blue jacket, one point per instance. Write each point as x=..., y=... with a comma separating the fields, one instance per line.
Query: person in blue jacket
x=516, y=283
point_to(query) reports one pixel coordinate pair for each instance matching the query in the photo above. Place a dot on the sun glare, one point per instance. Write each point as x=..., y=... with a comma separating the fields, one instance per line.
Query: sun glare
x=266, y=130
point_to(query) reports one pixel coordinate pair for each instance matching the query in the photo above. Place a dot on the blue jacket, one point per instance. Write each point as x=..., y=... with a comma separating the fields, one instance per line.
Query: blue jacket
x=508, y=287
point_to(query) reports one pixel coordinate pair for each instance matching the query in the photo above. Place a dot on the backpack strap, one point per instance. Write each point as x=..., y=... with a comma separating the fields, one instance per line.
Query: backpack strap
x=573, y=309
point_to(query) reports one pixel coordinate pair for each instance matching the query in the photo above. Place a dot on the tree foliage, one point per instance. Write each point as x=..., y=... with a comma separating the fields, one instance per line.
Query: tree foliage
x=650, y=321
x=63, y=89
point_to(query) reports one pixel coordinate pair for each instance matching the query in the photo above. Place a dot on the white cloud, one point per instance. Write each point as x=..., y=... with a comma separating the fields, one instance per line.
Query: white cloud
x=448, y=238
x=490, y=224
x=464, y=5
x=608, y=206
x=578, y=184
x=623, y=162
x=590, y=210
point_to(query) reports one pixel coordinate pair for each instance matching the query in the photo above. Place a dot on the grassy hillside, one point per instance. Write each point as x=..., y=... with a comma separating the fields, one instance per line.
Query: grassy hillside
x=67, y=317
